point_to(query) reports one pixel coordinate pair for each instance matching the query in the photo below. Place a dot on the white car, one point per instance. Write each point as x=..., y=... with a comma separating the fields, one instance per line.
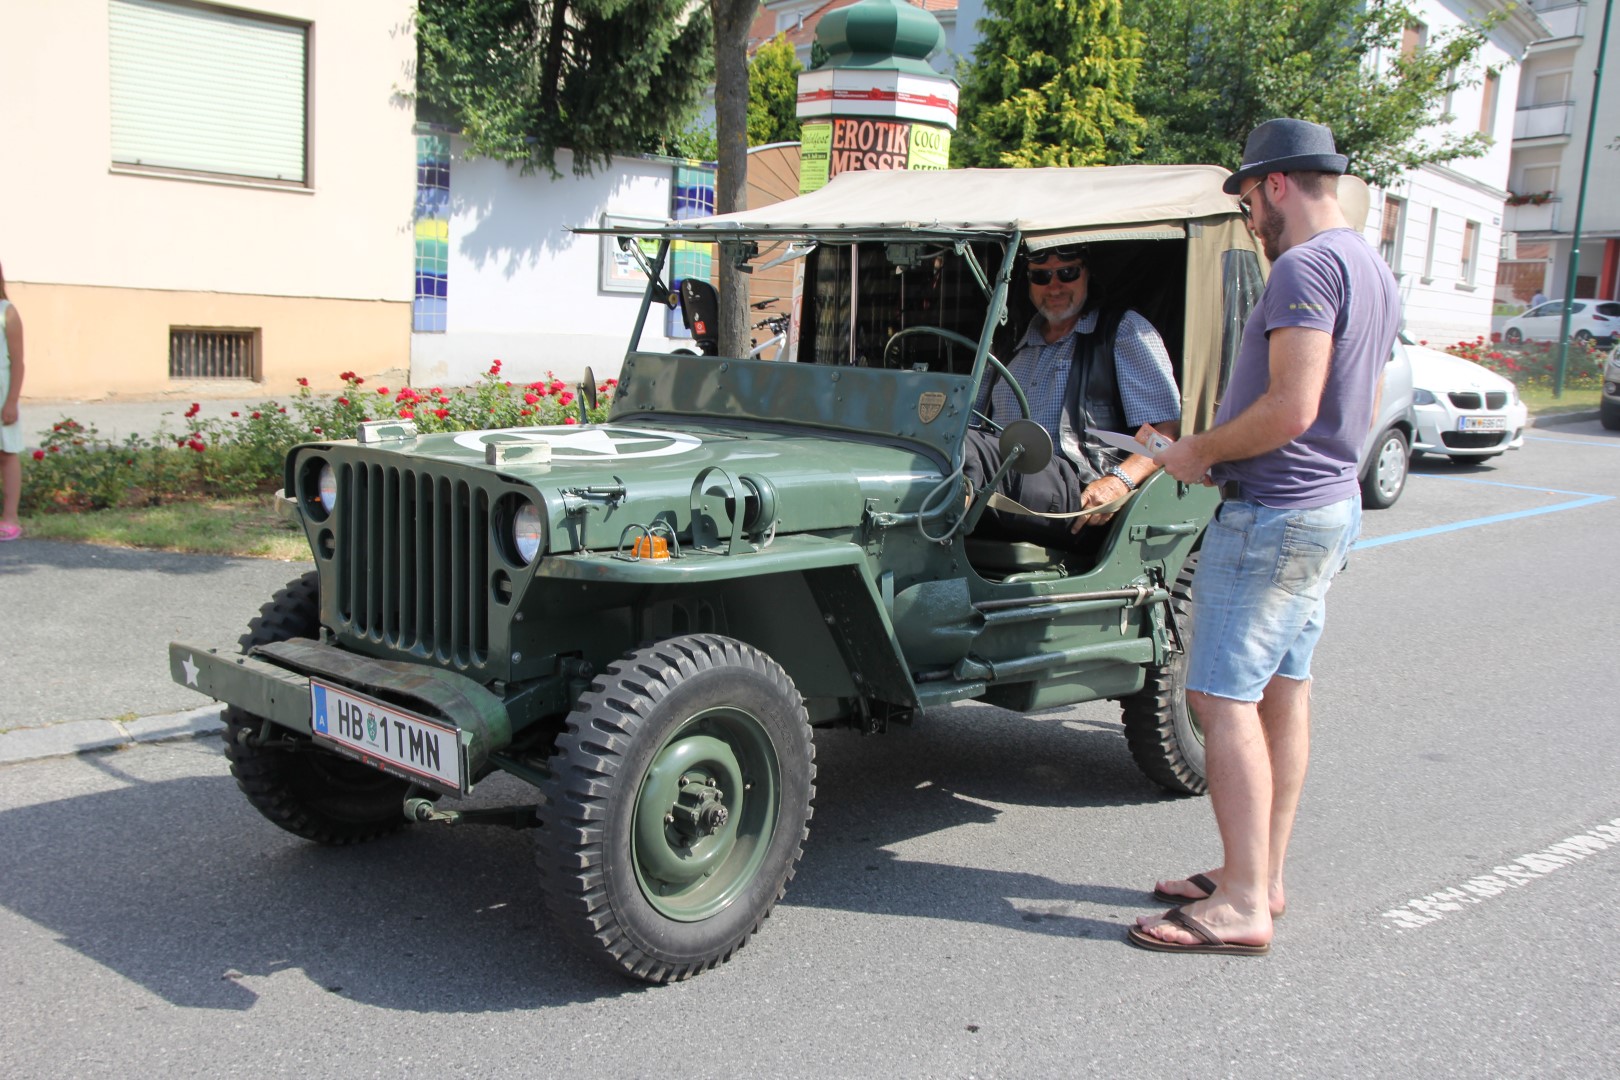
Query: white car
x=1464, y=411
x=1596, y=321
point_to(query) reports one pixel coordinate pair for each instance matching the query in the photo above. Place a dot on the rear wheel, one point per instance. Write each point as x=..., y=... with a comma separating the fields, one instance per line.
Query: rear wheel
x=308, y=791
x=1160, y=728
x=1385, y=477
x=678, y=806
x=1513, y=336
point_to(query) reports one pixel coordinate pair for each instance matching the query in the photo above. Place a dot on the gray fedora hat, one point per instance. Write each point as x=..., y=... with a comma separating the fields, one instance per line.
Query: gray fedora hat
x=1286, y=146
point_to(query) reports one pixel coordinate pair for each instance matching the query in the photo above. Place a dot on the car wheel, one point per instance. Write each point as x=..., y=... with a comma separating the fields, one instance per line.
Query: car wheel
x=1583, y=335
x=1164, y=736
x=1609, y=414
x=677, y=807
x=1385, y=477
x=1513, y=336
x=310, y=792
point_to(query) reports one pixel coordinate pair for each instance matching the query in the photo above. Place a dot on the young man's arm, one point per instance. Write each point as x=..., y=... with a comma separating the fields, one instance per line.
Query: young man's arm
x=1299, y=360
x=14, y=344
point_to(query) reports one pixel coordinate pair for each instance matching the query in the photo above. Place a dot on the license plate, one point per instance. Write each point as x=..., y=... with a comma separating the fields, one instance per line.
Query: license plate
x=1483, y=423
x=397, y=742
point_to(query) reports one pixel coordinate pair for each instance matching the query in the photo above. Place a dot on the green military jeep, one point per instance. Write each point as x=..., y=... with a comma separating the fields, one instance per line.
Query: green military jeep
x=645, y=618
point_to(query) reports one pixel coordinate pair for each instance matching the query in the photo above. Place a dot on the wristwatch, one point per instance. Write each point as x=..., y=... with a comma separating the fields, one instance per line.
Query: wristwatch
x=1123, y=477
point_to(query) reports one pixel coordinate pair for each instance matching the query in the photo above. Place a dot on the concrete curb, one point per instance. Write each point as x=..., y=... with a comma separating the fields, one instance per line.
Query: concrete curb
x=84, y=736
x=1558, y=419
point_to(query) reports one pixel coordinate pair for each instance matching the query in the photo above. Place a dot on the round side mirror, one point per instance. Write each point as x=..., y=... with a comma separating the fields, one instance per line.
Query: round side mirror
x=1035, y=441
x=587, y=388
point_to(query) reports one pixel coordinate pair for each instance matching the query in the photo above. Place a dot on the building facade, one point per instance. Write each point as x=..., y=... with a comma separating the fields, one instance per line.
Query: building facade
x=1550, y=123
x=1441, y=227
x=207, y=200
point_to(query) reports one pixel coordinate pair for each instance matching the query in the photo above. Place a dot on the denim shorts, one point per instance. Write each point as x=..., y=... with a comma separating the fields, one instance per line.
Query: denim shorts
x=1259, y=596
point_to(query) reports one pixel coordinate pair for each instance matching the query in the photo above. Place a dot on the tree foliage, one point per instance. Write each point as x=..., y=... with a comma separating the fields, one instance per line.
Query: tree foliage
x=523, y=79
x=1214, y=69
x=773, y=93
x=1051, y=83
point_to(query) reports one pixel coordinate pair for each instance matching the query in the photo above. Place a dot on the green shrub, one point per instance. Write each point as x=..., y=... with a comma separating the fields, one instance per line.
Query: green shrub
x=1535, y=363
x=215, y=457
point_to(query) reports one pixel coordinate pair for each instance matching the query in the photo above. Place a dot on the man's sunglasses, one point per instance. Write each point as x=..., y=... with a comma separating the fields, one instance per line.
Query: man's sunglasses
x=1243, y=201
x=1064, y=273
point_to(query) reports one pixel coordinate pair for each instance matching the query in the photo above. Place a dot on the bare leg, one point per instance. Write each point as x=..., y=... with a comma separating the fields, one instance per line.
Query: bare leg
x=11, y=480
x=1240, y=791
x=1285, y=720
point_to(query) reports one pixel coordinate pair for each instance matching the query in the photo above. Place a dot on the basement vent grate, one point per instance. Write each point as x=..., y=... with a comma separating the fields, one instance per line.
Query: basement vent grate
x=201, y=352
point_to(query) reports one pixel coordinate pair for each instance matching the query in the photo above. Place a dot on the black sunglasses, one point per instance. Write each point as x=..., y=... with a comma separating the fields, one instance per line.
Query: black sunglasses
x=1064, y=273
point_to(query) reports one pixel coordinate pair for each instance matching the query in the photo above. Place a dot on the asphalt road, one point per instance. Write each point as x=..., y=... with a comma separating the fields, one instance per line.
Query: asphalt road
x=961, y=904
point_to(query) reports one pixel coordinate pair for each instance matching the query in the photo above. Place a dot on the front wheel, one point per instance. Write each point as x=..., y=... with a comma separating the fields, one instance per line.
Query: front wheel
x=1160, y=728
x=1609, y=414
x=678, y=806
x=1385, y=477
x=1513, y=336
x=310, y=792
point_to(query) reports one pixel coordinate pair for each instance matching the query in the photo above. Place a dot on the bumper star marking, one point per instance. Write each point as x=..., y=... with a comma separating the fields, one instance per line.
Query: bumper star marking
x=189, y=666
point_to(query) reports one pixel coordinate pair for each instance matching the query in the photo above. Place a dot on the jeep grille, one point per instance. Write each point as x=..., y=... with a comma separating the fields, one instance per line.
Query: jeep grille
x=413, y=562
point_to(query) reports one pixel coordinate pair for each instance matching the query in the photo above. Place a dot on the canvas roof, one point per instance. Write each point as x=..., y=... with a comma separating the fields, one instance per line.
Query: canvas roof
x=1127, y=198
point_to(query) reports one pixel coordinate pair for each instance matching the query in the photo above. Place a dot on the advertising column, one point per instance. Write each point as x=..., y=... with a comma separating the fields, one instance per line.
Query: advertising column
x=875, y=103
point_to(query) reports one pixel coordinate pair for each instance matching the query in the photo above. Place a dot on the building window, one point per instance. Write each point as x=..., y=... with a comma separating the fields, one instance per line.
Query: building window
x=209, y=91
x=211, y=352
x=1390, y=230
x=1470, y=251
x=1551, y=88
x=1434, y=240
x=429, y=310
x=1413, y=38
x=1487, y=107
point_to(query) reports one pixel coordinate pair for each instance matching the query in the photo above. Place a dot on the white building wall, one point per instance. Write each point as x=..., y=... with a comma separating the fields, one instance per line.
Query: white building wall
x=525, y=290
x=1443, y=302
x=71, y=219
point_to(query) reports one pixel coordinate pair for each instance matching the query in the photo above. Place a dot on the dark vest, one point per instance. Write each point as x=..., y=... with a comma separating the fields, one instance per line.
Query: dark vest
x=1091, y=401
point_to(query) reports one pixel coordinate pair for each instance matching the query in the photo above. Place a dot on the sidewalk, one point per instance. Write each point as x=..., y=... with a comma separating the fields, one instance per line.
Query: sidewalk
x=115, y=418
x=80, y=736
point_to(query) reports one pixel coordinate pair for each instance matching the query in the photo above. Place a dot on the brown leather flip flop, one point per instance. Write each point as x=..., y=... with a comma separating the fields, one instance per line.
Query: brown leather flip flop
x=1203, y=881
x=1209, y=942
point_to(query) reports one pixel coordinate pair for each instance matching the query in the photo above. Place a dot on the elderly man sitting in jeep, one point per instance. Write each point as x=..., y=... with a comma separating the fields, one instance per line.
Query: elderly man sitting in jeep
x=1083, y=368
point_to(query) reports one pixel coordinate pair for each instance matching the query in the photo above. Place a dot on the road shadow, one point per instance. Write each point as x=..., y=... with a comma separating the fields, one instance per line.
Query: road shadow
x=181, y=887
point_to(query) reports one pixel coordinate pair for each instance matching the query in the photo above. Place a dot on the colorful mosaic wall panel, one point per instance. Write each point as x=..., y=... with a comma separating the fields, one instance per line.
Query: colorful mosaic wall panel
x=428, y=312
x=692, y=195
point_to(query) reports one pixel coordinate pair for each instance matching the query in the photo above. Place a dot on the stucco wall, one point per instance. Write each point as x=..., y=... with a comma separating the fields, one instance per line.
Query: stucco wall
x=525, y=290
x=180, y=246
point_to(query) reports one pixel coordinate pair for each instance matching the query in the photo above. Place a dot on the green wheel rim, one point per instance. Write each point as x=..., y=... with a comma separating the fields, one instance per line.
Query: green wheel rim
x=690, y=869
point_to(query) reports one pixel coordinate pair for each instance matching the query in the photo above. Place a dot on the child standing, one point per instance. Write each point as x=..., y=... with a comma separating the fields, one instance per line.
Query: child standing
x=11, y=440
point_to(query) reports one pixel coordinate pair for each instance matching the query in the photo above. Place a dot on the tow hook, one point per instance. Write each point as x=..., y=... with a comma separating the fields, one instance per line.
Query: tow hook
x=511, y=817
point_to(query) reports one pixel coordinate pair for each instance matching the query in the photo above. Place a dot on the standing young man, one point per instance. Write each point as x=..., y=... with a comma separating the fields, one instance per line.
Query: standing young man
x=1301, y=399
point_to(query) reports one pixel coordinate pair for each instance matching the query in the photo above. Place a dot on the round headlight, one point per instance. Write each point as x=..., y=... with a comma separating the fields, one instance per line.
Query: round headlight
x=326, y=485
x=528, y=532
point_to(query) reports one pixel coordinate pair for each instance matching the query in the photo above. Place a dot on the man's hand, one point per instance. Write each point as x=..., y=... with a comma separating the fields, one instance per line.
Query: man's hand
x=1103, y=490
x=1184, y=460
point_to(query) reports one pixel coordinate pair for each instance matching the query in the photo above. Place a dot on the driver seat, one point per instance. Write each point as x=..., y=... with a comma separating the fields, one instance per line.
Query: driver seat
x=1015, y=560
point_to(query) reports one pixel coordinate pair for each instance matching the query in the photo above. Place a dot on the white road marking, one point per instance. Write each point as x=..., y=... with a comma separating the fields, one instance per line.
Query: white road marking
x=1519, y=872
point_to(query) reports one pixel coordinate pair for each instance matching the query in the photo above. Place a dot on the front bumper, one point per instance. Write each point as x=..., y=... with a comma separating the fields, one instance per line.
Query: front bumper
x=272, y=683
x=1439, y=430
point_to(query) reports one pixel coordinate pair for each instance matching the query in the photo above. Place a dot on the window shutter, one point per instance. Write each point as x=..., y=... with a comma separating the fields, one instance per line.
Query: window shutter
x=207, y=90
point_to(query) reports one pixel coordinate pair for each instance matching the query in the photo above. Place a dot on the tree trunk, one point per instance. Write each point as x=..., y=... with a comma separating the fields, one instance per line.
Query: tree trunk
x=731, y=21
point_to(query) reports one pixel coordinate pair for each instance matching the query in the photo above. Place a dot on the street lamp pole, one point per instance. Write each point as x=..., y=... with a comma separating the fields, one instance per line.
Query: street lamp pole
x=1580, y=206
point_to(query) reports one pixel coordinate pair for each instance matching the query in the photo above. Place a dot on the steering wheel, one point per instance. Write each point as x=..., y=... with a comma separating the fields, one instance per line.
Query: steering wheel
x=967, y=343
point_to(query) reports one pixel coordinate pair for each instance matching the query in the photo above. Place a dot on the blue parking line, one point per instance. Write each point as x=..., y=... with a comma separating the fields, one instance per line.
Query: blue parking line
x=1581, y=499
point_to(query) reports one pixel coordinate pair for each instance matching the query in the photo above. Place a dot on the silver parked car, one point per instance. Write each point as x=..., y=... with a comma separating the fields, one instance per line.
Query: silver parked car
x=1591, y=320
x=1389, y=441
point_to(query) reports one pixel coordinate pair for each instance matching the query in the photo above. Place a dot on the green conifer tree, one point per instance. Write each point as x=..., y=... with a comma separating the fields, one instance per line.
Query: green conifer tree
x=773, y=93
x=1051, y=83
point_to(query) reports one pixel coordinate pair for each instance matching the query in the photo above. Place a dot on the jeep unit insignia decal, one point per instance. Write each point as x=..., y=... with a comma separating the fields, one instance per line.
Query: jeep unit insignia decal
x=591, y=443
x=929, y=405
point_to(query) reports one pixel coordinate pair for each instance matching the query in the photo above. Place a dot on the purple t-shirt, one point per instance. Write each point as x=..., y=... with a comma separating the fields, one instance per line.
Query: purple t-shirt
x=1334, y=282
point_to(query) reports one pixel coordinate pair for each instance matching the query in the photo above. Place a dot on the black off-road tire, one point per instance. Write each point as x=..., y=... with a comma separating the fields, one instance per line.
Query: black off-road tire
x=1160, y=728
x=619, y=874
x=310, y=792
